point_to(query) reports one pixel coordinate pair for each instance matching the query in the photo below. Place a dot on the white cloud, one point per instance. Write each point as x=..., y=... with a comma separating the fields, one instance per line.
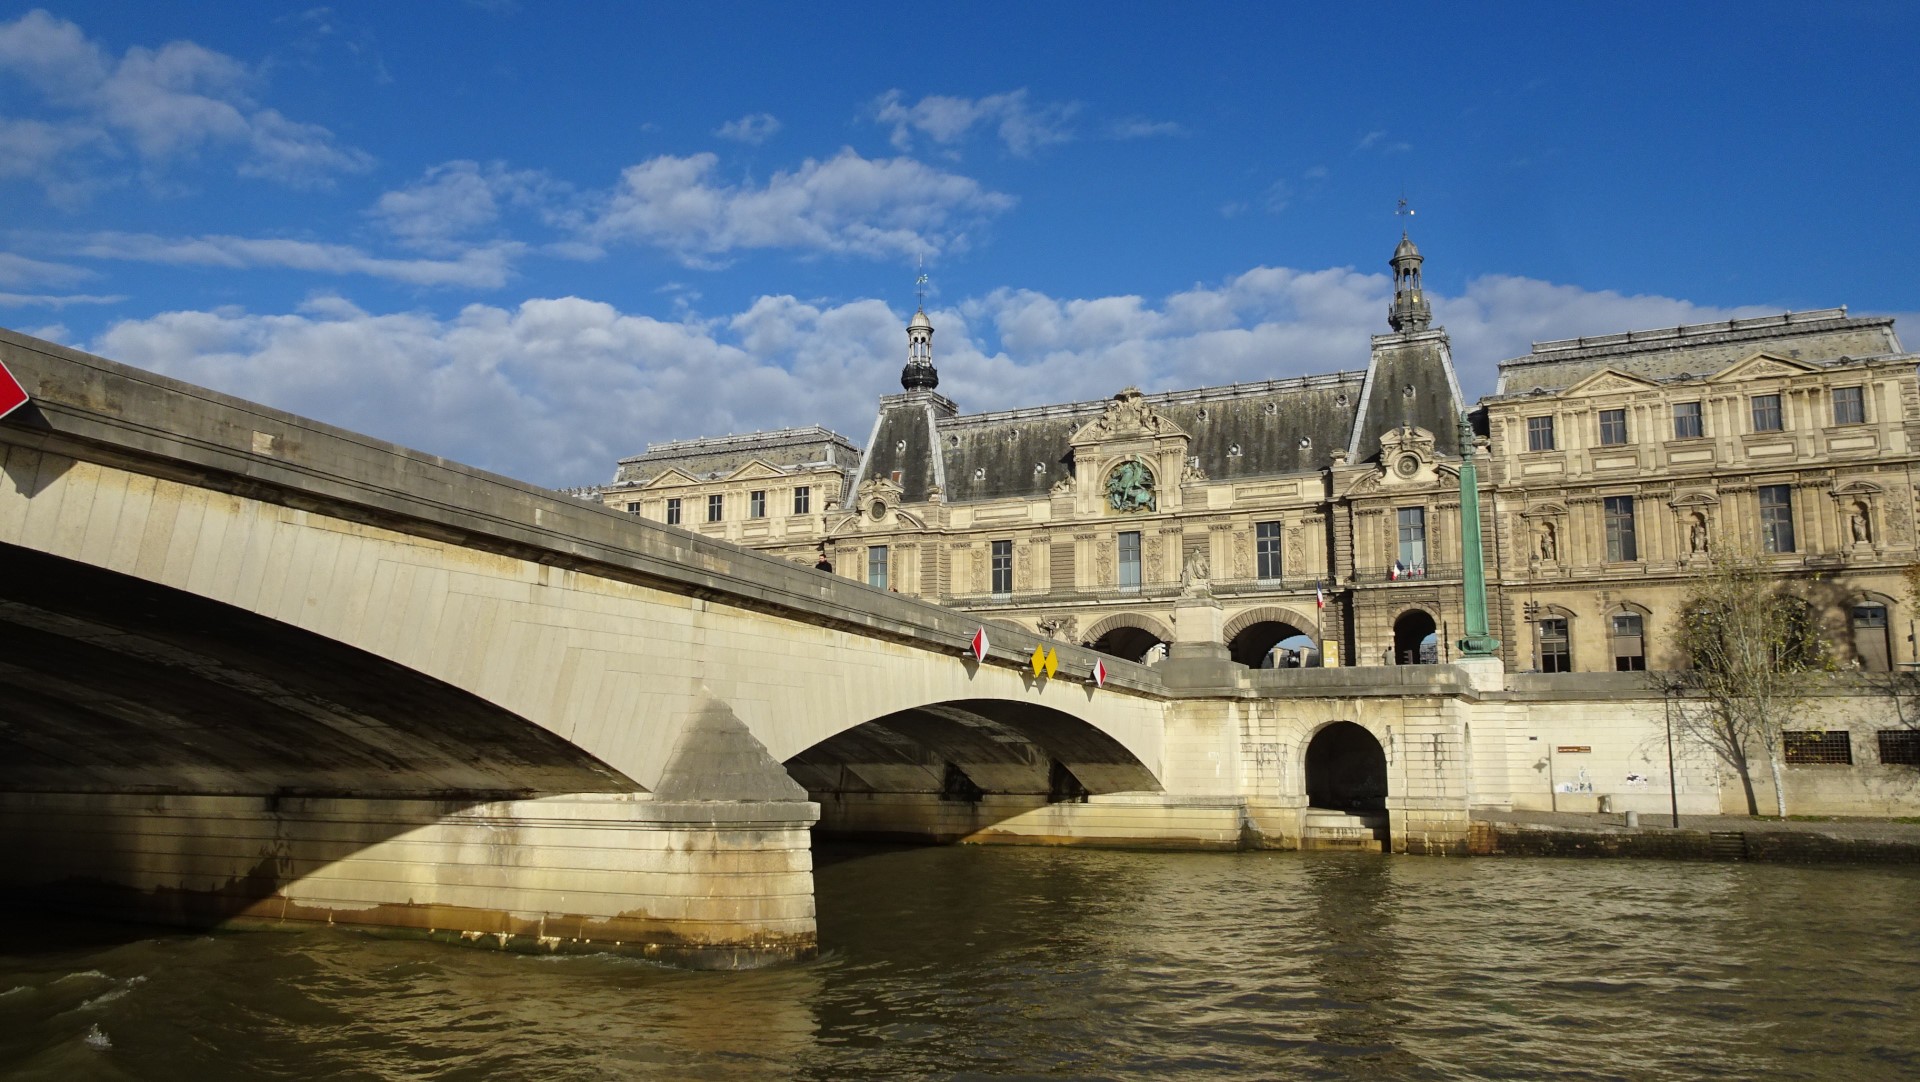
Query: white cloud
x=56, y=300
x=456, y=198
x=485, y=267
x=556, y=390
x=155, y=107
x=846, y=204
x=16, y=270
x=1021, y=126
x=753, y=129
x=1139, y=127
x=1377, y=140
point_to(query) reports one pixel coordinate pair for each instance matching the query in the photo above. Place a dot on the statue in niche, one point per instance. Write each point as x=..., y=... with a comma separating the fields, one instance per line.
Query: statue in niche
x=1130, y=487
x=1549, y=545
x=1860, y=524
x=1697, y=535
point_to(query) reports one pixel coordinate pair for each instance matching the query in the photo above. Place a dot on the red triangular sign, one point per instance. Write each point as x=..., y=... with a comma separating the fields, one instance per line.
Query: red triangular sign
x=1099, y=673
x=12, y=395
x=979, y=646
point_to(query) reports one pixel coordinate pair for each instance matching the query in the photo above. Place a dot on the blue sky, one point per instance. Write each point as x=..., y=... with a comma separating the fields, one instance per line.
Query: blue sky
x=537, y=237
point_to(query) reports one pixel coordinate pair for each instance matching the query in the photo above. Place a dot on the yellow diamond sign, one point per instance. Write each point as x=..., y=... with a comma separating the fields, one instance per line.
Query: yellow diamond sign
x=1053, y=663
x=1045, y=661
x=1039, y=661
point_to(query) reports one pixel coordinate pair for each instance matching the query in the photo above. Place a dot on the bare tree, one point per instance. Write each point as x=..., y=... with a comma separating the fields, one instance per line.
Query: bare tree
x=1755, y=654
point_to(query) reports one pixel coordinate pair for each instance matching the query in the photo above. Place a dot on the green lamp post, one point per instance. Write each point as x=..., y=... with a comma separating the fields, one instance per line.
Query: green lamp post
x=1478, y=643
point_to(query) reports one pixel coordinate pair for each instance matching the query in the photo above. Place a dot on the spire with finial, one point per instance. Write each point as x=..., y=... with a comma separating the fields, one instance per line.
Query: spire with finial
x=1410, y=311
x=919, y=374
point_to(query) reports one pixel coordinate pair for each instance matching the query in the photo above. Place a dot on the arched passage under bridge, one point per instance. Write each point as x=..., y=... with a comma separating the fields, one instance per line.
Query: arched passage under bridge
x=968, y=770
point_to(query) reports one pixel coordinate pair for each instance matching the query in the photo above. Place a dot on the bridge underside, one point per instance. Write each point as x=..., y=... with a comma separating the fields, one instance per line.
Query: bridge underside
x=113, y=684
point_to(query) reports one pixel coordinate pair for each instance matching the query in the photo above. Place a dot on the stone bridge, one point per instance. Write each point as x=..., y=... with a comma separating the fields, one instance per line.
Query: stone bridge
x=257, y=669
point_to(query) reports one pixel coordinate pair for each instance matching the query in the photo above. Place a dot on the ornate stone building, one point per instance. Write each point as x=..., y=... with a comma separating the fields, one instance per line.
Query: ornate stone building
x=1325, y=509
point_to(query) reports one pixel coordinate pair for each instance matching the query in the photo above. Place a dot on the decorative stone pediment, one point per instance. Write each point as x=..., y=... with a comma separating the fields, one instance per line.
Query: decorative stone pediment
x=1127, y=416
x=1694, y=499
x=1407, y=460
x=754, y=471
x=1857, y=487
x=1761, y=366
x=1545, y=510
x=1607, y=381
x=671, y=477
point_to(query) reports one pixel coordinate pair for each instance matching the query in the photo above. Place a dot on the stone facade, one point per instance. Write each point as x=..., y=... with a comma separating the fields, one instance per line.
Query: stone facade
x=1089, y=521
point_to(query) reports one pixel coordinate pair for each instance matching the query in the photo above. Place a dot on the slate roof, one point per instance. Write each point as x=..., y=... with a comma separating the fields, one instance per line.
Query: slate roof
x=786, y=448
x=1241, y=430
x=1699, y=349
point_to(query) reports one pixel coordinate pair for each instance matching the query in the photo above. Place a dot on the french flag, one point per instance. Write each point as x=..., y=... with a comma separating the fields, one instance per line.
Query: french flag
x=1394, y=575
x=1319, y=595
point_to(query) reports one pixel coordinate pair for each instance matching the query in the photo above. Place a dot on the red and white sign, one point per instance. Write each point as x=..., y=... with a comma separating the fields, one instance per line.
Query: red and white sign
x=979, y=646
x=12, y=395
x=1099, y=673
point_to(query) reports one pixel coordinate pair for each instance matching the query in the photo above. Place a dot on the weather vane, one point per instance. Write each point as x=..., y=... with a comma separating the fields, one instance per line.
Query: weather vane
x=920, y=283
x=1404, y=211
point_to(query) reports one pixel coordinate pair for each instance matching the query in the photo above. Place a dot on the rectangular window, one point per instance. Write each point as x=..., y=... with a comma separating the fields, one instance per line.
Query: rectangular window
x=1629, y=643
x=1686, y=421
x=1900, y=747
x=1413, y=540
x=1539, y=433
x=802, y=500
x=1849, y=406
x=757, y=504
x=1766, y=413
x=1833, y=748
x=1556, y=654
x=1266, y=550
x=673, y=511
x=633, y=508
x=1621, y=547
x=1002, y=568
x=1613, y=428
x=877, y=566
x=1776, y=518
x=1130, y=561
x=715, y=505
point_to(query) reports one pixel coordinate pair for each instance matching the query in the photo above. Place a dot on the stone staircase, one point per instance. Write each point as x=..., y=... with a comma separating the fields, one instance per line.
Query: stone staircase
x=1356, y=832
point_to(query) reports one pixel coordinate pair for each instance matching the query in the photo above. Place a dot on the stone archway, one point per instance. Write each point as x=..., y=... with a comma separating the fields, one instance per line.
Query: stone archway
x=1252, y=635
x=1128, y=635
x=1346, y=770
x=1415, y=638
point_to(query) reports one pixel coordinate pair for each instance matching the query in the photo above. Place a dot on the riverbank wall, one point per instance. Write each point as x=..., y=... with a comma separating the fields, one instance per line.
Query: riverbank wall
x=1786, y=842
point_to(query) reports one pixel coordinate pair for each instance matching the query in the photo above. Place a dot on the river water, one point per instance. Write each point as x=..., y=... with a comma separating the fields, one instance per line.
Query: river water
x=968, y=962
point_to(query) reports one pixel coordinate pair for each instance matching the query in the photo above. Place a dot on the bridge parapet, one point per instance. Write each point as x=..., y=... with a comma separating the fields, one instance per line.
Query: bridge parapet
x=101, y=410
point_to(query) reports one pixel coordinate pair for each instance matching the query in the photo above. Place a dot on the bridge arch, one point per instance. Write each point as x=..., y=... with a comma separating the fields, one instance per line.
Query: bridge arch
x=949, y=770
x=1252, y=635
x=1132, y=636
x=1345, y=769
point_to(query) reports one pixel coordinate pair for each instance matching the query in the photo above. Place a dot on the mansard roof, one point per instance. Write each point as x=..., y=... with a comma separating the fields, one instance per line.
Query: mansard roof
x=1819, y=337
x=782, y=449
x=1239, y=430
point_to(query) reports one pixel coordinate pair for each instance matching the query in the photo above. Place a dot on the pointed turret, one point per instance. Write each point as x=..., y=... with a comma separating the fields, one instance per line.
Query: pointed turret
x=1410, y=311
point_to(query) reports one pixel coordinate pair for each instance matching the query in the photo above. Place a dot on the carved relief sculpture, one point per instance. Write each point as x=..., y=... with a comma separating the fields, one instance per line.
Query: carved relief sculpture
x=1195, y=575
x=1242, y=558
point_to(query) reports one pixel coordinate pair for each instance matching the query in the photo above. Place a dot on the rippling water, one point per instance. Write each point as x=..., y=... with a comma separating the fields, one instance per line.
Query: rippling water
x=989, y=962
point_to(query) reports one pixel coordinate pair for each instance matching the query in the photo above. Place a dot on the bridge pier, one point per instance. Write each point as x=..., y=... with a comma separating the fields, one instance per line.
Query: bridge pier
x=704, y=884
